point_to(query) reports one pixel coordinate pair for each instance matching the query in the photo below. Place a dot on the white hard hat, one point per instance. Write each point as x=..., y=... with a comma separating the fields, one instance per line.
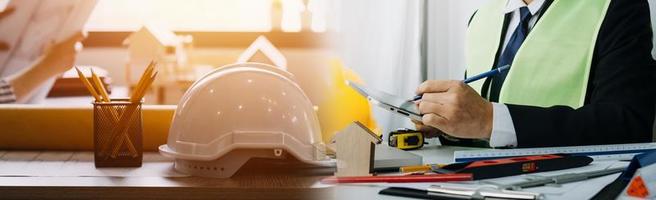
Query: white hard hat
x=238, y=112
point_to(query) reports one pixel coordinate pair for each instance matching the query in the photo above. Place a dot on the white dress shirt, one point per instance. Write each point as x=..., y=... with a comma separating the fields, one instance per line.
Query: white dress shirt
x=503, y=130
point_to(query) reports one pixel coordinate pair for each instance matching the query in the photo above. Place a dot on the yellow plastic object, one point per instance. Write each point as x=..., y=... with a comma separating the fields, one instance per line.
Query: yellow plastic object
x=337, y=104
x=406, y=139
x=37, y=127
x=340, y=105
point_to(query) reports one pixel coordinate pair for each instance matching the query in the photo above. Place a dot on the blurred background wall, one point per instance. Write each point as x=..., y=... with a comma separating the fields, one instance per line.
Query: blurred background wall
x=393, y=45
x=396, y=45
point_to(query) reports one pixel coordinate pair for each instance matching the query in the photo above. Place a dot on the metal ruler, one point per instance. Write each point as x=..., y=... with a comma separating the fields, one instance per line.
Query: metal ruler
x=597, y=152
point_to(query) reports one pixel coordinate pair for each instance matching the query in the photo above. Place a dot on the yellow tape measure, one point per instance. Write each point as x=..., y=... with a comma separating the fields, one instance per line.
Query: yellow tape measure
x=406, y=139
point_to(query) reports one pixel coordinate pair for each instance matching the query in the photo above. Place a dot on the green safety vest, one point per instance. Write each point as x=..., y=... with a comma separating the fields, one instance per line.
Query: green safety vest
x=553, y=64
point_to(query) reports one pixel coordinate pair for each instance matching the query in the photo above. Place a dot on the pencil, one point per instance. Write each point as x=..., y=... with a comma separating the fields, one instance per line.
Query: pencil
x=480, y=76
x=99, y=86
x=88, y=85
x=94, y=92
x=419, y=168
x=95, y=95
x=114, y=115
x=139, y=94
x=146, y=74
x=125, y=122
x=136, y=97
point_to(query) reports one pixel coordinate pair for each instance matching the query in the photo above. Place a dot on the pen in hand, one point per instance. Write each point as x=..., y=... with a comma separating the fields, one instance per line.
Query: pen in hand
x=492, y=72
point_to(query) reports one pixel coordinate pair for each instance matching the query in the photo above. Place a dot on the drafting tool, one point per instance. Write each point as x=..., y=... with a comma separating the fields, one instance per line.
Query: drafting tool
x=399, y=179
x=483, y=193
x=492, y=190
x=515, y=166
x=448, y=193
x=597, y=152
x=406, y=139
x=643, y=183
x=536, y=181
x=639, y=162
x=415, y=193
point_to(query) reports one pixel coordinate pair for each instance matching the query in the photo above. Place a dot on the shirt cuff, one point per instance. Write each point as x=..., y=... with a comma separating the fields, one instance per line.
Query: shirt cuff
x=503, y=130
x=6, y=93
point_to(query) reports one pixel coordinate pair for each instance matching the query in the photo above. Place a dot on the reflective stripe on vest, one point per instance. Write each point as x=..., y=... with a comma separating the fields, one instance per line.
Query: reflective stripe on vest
x=553, y=64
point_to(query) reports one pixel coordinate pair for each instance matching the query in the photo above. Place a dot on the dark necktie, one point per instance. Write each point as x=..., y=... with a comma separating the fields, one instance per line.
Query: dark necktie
x=509, y=52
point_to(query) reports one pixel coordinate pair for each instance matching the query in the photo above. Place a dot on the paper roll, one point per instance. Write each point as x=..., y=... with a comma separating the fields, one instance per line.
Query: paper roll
x=39, y=127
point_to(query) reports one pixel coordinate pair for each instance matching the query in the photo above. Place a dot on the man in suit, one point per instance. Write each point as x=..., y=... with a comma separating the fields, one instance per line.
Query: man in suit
x=581, y=74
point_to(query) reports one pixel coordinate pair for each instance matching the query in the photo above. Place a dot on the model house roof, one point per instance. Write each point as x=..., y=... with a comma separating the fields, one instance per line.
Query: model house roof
x=161, y=35
x=264, y=46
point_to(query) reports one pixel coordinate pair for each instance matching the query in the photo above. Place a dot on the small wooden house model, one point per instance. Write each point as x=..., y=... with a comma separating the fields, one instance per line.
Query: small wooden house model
x=355, y=146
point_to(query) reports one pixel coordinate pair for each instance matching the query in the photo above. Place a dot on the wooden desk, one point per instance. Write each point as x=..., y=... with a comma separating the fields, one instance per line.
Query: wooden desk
x=254, y=181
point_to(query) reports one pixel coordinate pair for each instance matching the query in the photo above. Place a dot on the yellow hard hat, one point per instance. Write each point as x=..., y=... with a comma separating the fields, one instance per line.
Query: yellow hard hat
x=337, y=104
x=344, y=105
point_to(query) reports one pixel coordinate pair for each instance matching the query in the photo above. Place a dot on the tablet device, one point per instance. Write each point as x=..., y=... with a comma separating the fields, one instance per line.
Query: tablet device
x=389, y=102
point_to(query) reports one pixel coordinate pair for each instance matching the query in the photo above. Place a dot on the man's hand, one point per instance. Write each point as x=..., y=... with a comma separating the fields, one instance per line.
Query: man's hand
x=456, y=109
x=427, y=131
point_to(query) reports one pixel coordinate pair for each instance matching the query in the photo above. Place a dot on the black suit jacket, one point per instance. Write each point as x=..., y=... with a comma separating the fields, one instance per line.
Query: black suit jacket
x=620, y=97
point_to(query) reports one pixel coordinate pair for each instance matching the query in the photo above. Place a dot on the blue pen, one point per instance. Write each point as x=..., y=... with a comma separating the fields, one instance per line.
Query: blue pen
x=477, y=77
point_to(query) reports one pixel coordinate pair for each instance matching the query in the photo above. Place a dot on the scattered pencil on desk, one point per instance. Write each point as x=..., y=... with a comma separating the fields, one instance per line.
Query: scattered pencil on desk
x=399, y=179
x=420, y=168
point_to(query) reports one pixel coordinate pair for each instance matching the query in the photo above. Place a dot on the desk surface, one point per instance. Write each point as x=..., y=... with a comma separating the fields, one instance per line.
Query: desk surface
x=290, y=180
x=444, y=154
x=29, y=174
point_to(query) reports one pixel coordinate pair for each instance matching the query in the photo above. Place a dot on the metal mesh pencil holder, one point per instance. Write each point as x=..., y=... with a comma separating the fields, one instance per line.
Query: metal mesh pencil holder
x=117, y=133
